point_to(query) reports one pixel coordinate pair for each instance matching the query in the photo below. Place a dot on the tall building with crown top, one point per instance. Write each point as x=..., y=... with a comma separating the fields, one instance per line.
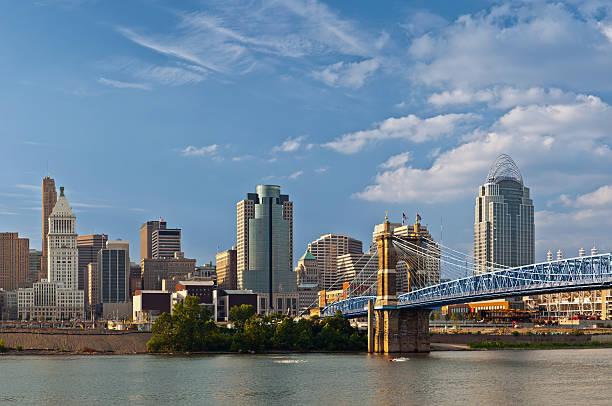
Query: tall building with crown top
x=504, y=229
x=57, y=297
x=63, y=256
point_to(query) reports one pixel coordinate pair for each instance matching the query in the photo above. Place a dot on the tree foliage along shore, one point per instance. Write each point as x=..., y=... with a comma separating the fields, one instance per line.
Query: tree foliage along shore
x=190, y=328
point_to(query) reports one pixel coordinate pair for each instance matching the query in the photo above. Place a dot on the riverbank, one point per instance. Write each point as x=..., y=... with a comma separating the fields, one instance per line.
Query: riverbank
x=74, y=341
x=108, y=342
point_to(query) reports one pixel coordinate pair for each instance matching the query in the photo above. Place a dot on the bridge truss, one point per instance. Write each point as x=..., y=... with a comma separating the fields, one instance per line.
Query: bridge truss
x=566, y=275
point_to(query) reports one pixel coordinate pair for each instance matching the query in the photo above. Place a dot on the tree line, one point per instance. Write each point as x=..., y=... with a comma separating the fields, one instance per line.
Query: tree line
x=190, y=328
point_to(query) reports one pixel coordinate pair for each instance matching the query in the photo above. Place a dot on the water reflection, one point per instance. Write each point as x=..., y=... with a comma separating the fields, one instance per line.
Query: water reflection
x=441, y=378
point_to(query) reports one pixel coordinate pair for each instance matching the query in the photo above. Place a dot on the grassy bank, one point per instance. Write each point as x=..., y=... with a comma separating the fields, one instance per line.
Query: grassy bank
x=497, y=345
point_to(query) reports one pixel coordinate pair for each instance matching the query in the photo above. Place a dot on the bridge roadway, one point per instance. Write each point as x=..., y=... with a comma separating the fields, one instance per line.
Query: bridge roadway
x=573, y=274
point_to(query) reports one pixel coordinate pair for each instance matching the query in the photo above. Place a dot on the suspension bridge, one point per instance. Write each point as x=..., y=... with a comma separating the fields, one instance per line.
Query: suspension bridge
x=400, y=323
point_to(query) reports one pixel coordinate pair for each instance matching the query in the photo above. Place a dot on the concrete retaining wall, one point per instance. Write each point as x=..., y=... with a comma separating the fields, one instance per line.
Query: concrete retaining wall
x=523, y=338
x=120, y=342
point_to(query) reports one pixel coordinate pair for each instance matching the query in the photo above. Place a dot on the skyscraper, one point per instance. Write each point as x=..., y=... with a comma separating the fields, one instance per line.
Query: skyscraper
x=265, y=240
x=49, y=198
x=56, y=298
x=165, y=242
x=14, y=260
x=158, y=241
x=88, y=247
x=63, y=257
x=327, y=249
x=504, y=221
x=226, y=269
x=114, y=272
x=35, y=258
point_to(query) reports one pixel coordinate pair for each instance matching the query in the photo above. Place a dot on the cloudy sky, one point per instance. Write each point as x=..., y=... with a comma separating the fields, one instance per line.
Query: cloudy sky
x=150, y=109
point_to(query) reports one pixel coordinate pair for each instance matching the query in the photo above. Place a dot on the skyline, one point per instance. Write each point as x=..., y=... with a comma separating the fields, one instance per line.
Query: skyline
x=139, y=118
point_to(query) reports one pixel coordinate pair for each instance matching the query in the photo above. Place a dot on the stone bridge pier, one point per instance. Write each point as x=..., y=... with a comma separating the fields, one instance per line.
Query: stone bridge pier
x=391, y=329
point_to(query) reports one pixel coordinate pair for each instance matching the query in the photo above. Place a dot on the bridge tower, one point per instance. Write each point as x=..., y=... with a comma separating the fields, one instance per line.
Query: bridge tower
x=392, y=329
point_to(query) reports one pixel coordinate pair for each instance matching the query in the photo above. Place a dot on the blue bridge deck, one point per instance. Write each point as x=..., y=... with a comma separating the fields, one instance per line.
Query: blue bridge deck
x=566, y=275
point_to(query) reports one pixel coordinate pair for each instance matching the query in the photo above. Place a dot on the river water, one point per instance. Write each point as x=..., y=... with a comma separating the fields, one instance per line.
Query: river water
x=534, y=377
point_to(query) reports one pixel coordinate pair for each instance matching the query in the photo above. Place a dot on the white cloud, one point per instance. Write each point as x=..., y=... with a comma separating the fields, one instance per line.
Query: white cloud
x=502, y=97
x=201, y=151
x=295, y=175
x=589, y=228
x=290, y=144
x=602, y=196
x=397, y=160
x=347, y=74
x=519, y=43
x=538, y=137
x=409, y=127
x=123, y=85
x=321, y=170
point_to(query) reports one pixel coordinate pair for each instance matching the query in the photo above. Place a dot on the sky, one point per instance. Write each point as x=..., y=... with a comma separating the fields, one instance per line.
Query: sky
x=148, y=109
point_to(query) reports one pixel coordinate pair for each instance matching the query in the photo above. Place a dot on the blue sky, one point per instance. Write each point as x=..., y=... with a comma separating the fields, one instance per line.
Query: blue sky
x=178, y=109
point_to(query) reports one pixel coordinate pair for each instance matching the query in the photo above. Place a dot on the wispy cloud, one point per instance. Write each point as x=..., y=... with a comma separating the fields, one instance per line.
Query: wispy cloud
x=289, y=145
x=296, y=175
x=123, y=85
x=92, y=206
x=7, y=213
x=191, y=150
x=242, y=158
x=170, y=75
x=36, y=188
x=230, y=39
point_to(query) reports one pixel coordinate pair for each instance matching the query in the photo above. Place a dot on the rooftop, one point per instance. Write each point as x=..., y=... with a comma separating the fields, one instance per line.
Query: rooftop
x=504, y=168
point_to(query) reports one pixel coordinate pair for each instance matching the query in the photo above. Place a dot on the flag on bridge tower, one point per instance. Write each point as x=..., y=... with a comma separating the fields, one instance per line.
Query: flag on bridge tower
x=404, y=217
x=418, y=218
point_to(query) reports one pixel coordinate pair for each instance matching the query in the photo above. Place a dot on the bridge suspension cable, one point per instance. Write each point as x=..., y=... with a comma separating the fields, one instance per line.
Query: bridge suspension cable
x=338, y=277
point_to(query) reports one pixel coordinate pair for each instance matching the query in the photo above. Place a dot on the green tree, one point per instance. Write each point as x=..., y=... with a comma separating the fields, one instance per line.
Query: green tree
x=240, y=314
x=189, y=328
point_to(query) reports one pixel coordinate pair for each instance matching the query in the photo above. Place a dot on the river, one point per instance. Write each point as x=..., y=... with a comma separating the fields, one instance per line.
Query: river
x=532, y=377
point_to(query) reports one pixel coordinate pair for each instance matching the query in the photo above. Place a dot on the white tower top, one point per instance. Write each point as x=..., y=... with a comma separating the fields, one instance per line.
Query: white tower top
x=559, y=255
x=62, y=265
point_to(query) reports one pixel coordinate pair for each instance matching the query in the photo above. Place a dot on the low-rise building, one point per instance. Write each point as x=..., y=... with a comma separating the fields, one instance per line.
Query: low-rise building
x=49, y=301
x=225, y=299
x=283, y=303
x=203, y=290
x=149, y=304
x=8, y=304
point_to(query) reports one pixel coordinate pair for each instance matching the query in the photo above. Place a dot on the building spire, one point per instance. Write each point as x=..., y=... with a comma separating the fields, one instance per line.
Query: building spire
x=61, y=191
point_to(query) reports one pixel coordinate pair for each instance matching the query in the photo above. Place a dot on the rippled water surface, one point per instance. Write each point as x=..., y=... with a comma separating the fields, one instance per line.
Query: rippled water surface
x=546, y=377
